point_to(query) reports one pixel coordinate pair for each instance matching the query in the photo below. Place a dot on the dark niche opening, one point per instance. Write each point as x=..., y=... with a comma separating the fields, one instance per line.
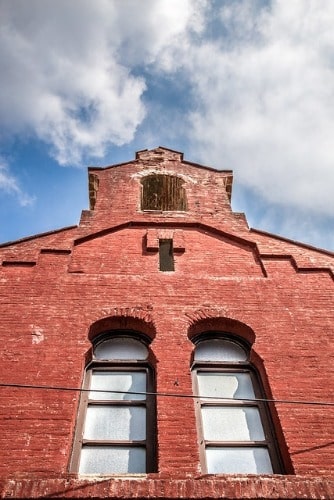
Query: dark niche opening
x=163, y=192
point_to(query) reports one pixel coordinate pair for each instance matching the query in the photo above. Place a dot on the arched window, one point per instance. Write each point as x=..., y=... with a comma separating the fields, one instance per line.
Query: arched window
x=163, y=193
x=236, y=433
x=115, y=434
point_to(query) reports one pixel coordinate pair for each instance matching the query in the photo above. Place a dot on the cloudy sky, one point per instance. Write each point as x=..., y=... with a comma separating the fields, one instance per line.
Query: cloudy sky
x=246, y=85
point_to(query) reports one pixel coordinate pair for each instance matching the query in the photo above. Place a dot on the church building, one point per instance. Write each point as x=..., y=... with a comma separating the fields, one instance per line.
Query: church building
x=163, y=349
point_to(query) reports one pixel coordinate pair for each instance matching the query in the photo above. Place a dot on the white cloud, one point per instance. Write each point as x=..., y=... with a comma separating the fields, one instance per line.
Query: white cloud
x=10, y=185
x=264, y=98
x=62, y=70
x=67, y=68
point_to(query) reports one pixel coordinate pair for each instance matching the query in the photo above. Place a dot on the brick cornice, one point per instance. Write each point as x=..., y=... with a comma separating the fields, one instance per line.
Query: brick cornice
x=170, y=488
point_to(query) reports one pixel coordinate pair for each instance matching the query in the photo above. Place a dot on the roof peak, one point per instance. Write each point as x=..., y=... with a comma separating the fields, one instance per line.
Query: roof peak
x=159, y=153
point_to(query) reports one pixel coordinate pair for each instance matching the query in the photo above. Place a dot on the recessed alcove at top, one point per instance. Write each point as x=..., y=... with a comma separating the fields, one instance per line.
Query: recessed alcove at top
x=163, y=192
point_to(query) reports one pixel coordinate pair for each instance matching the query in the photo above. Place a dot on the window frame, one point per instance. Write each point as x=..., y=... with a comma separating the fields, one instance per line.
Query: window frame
x=149, y=403
x=270, y=441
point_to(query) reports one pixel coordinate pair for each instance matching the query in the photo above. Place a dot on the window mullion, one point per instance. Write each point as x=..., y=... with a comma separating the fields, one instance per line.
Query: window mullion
x=111, y=442
x=111, y=402
x=233, y=403
x=236, y=444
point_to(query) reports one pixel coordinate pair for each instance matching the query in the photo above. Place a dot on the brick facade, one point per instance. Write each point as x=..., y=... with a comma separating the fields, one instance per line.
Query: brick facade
x=61, y=289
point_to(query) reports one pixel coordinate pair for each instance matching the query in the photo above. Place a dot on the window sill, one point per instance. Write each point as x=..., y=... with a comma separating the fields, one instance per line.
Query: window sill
x=103, y=477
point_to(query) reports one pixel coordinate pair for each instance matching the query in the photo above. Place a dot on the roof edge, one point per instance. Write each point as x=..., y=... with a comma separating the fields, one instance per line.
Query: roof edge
x=159, y=147
x=38, y=235
x=137, y=157
x=294, y=242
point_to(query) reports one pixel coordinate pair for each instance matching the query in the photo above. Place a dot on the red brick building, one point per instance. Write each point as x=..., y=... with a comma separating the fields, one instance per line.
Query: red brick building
x=162, y=349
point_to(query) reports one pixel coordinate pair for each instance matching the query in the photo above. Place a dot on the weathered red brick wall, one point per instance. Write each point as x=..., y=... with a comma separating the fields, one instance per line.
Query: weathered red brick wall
x=55, y=287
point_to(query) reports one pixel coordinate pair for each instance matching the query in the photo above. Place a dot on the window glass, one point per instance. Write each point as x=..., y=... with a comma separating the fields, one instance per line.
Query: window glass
x=120, y=348
x=232, y=424
x=115, y=423
x=126, y=382
x=225, y=385
x=219, y=350
x=112, y=460
x=230, y=460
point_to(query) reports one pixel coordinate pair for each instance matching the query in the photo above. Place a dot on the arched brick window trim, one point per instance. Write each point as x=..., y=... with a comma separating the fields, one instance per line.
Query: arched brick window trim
x=213, y=321
x=132, y=320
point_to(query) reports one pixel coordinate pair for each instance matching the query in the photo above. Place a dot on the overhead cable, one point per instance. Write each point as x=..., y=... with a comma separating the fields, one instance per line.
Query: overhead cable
x=165, y=394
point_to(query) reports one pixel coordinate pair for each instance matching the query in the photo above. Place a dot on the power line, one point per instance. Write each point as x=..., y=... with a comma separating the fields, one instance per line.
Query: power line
x=166, y=394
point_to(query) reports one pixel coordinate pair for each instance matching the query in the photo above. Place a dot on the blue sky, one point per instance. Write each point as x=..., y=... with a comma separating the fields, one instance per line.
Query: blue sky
x=246, y=85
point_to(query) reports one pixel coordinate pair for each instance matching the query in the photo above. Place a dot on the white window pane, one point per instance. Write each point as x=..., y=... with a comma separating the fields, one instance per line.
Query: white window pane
x=225, y=385
x=238, y=461
x=118, y=381
x=111, y=460
x=121, y=348
x=232, y=424
x=115, y=423
x=219, y=350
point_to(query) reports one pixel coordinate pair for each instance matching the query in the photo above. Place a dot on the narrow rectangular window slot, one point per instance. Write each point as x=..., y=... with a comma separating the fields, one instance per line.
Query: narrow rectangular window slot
x=166, y=257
